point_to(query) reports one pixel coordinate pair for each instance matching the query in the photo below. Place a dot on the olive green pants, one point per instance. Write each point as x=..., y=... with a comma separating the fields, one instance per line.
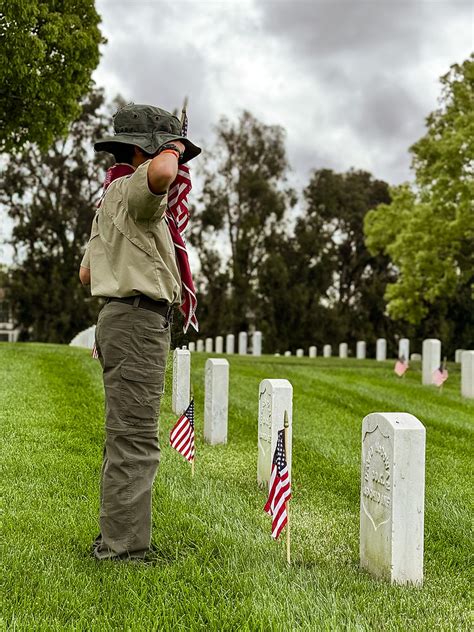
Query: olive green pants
x=133, y=345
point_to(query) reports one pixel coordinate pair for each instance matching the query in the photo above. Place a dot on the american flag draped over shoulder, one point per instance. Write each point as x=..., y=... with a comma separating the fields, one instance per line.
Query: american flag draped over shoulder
x=401, y=366
x=178, y=218
x=182, y=433
x=280, y=488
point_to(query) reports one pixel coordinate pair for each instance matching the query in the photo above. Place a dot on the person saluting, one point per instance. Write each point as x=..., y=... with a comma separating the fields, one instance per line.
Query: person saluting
x=136, y=259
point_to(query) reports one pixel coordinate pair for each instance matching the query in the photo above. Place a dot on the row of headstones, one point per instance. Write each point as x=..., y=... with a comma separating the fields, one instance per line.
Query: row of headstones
x=208, y=345
x=392, y=472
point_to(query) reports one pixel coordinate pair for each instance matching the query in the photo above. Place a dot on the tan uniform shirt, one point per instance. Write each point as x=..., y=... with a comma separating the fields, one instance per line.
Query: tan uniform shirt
x=130, y=250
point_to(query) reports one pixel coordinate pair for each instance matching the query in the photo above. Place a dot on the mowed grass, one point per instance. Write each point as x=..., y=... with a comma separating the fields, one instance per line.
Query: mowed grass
x=217, y=567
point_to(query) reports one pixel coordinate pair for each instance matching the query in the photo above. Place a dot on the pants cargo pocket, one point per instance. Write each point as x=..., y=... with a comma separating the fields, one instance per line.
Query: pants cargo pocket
x=141, y=391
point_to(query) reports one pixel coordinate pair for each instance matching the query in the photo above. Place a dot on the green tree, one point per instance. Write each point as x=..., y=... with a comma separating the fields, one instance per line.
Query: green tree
x=51, y=196
x=334, y=286
x=49, y=50
x=243, y=203
x=428, y=231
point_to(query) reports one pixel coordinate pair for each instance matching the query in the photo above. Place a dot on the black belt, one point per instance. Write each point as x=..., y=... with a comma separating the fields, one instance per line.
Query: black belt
x=145, y=302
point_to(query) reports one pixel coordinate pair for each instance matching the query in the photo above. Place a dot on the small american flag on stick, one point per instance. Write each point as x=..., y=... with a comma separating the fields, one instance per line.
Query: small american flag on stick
x=280, y=488
x=182, y=434
x=440, y=375
x=401, y=366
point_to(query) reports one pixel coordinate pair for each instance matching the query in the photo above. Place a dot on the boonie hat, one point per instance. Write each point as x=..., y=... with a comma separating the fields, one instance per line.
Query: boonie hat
x=147, y=127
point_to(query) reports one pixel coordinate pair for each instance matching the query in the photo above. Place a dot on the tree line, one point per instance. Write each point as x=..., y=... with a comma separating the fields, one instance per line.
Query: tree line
x=358, y=259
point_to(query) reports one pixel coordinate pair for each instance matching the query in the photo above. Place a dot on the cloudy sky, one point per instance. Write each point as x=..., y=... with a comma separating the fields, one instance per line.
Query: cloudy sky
x=351, y=81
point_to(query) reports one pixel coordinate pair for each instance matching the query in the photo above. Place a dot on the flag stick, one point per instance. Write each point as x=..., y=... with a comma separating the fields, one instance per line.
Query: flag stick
x=183, y=110
x=286, y=424
x=443, y=368
x=190, y=400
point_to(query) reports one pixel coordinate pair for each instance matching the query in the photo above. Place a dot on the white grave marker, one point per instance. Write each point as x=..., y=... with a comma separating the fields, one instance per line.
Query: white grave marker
x=287, y=354
x=404, y=348
x=192, y=346
x=299, y=353
x=257, y=343
x=360, y=350
x=467, y=374
x=392, y=497
x=243, y=343
x=209, y=342
x=219, y=344
x=381, y=350
x=229, y=343
x=216, y=402
x=181, y=380
x=327, y=351
x=343, y=350
x=458, y=355
x=431, y=359
x=415, y=357
x=275, y=397
x=313, y=352
x=200, y=345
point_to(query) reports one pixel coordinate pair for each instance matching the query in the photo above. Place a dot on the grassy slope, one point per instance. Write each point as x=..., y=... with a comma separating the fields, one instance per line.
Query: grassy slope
x=217, y=567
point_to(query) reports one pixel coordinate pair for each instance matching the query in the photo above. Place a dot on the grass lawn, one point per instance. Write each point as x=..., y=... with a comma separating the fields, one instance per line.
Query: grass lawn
x=217, y=566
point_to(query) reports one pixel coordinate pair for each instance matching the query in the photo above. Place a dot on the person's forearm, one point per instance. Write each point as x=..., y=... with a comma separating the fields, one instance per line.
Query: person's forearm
x=162, y=171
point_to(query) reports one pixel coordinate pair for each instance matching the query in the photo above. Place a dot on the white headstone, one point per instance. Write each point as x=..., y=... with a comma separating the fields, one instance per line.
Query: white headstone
x=276, y=354
x=275, y=396
x=200, y=345
x=467, y=374
x=381, y=350
x=313, y=352
x=257, y=343
x=219, y=344
x=392, y=497
x=431, y=355
x=243, y=343
x=287, y=354
x=343, y=350
x=360, y=350
x=180, y=396
x=192, y=346
x=85, y=338
x=415, y=357
x=299, y=353
x=216, y=402
x=209, y=342
x=327, y=351
x=404, y=348
x=458, y=355
x=229, y=343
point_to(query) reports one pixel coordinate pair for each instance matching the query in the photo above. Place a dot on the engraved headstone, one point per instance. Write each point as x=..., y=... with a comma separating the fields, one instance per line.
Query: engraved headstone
x=392, y=497
x=192, y=346
x=181, y=380
x=313, y=352
x=381, y=350
x=209, y=342
x=257, y=343
x=458, y=354
x=467, y=374
x=229, y=343
x=404, y=348
x=200, y=345
x=219, y=344
x=343, y=350
x=275, y=397
x=243, y=343
x=360, y=350
x=299, y=353
x=327, y=351
x=216, y=402
x=431, y=359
